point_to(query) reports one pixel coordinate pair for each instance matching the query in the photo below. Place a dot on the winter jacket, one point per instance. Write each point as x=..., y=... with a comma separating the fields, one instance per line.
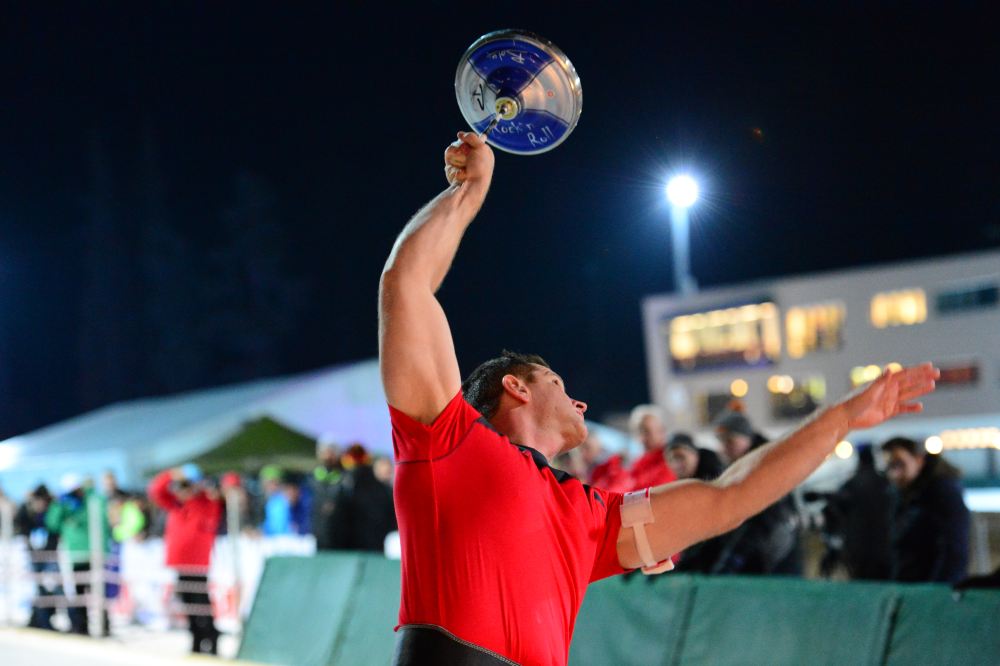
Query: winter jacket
x=191, y=525
x=363, y=512
x=67, y=517
x=767, y=543
x=929, y=537
x=650, y=470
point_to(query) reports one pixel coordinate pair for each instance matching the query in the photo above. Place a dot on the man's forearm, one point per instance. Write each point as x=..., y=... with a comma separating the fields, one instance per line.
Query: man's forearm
x=424, y=250
x=767, y=474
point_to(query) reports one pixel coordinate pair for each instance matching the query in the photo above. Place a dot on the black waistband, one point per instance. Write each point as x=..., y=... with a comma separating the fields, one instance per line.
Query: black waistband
x=427, y=645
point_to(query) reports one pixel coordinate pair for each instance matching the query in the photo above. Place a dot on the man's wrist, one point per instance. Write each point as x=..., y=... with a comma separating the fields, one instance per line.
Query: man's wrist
x=839, y=415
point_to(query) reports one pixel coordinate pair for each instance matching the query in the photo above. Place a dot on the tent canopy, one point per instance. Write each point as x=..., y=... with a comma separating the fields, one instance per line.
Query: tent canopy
x=260, y=442
x=342, y=404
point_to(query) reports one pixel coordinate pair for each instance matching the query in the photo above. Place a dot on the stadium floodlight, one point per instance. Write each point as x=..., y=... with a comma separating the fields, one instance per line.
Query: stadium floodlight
x=682, y=191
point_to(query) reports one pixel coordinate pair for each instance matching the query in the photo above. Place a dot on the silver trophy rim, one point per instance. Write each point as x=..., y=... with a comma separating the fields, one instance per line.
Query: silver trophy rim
x=576, y=87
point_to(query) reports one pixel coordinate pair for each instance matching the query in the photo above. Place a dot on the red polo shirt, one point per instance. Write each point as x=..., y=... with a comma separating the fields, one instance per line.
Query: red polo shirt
x=498, y=547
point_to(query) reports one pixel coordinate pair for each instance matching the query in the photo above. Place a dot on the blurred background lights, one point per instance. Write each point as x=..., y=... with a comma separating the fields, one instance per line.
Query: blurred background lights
x=682, y=191
x=844, y=450
x=739, y=388
x=934, y=444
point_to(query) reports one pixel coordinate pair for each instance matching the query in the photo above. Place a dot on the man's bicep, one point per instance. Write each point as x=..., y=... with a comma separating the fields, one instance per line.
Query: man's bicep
x=684, y=513
x=416, y=352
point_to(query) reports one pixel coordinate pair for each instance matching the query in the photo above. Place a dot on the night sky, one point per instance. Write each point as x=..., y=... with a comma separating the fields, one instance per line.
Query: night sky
x=199, y=193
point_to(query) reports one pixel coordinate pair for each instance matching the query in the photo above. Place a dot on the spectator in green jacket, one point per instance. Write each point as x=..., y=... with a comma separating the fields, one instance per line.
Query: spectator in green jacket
x=68, y=517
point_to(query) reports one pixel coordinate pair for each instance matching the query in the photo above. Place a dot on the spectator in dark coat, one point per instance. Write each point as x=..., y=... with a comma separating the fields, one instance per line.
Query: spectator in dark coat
x=193, y=516
x=363, y=514
x=768, y=543
x=691, y=462
x=929, y=539
x=325, y=486
x=30, y=523
x=858, y=514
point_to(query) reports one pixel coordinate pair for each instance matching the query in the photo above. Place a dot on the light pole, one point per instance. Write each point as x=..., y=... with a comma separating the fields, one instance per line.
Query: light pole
x=682, y=192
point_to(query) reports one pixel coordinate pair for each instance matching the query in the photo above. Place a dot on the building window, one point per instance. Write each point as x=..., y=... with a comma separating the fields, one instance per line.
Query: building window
x=812, y=328
x=963, y=300
x=739, y=336
x=899, y=308
x=792, y=399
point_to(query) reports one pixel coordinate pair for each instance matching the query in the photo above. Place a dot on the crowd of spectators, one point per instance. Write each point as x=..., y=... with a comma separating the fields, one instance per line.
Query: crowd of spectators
x=908, y=523
x=345, y=503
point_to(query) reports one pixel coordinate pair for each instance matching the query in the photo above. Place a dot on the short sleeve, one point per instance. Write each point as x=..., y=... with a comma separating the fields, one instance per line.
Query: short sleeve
x=413, y=441
x=606, y=562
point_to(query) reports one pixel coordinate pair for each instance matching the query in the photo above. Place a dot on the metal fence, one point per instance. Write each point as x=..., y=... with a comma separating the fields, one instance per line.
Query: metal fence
x=130, y=584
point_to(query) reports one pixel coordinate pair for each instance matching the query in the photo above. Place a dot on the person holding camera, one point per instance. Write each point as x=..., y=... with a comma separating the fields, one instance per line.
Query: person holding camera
x=194, y=511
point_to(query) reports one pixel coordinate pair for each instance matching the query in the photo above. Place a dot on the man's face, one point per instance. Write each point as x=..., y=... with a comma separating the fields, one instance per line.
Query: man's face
x=902, y=467
x=554, y=408
x=683, y=460
x=328, y=456
x=652, y=433
x=184, y=491
x=733, y=443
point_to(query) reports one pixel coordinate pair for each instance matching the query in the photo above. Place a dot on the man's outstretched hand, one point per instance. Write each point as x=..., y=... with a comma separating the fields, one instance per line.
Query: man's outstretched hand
x=891, y=394
x=469, y=159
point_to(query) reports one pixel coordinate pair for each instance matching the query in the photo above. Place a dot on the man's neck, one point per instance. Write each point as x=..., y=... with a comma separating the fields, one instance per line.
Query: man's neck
x=523, y=433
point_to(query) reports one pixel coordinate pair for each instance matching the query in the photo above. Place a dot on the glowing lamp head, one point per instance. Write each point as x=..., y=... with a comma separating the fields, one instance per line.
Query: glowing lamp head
x=682, y=191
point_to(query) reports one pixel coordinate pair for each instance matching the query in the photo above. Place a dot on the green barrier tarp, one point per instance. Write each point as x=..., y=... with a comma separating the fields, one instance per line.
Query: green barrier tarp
x=366, y=635
x=933, y=627
x=635, y=620
x=787, y=621
x=300, y=603
x=340, y=609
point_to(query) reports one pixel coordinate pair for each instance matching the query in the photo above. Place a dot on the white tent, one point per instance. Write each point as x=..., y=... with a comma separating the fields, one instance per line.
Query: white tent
x=341, y=404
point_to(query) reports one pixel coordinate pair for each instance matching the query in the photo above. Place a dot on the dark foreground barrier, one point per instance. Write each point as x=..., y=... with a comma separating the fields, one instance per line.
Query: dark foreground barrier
x=340, y=610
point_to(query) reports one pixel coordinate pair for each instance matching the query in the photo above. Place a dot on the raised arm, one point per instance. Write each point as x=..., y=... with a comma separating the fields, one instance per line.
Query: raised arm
x=416, y=353
x=691, y=511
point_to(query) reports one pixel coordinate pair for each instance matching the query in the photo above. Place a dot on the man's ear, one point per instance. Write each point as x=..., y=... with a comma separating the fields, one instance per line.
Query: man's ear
x=516, y=388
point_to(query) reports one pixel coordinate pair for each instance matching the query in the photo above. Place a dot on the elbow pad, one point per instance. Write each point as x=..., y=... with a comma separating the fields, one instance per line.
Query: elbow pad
x=637, y=512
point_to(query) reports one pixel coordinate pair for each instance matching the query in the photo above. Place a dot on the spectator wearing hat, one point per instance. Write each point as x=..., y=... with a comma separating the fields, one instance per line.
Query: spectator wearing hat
x=364, y=514
x=29, y=522
x=70, y=518
x=692, y=462
x=689, y=461
x=193, y=515
x=768, y=543
x=929, y=536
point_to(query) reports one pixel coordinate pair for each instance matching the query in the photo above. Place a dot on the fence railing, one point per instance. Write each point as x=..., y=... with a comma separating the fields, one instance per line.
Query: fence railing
x=130, y=584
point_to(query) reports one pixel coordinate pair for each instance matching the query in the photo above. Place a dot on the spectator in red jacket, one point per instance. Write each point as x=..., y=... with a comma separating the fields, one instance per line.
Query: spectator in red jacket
x=651, y=468
x=194, y=511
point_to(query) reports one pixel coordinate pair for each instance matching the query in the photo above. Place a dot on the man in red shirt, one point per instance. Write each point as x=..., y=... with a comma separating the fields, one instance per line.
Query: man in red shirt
x=498, y=547
x=193, y=515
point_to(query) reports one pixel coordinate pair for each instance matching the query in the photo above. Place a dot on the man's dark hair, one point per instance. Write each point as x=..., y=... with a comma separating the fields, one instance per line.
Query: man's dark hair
x=904, y=444
x=484, y=386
